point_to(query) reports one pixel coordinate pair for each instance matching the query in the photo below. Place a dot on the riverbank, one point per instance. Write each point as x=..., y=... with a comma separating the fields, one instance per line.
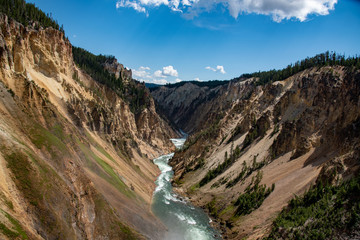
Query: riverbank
x=183, y=220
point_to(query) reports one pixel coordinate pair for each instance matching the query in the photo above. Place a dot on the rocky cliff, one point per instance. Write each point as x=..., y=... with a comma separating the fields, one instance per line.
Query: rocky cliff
x=75, y=160
x=187, y=105
x=255, y=146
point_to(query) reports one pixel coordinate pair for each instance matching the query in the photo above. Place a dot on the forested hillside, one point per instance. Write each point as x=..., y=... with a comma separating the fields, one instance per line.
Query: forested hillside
x=320, y=60
x=76, y=138
x=119, y=80
x=267, y=136
x=28, y=14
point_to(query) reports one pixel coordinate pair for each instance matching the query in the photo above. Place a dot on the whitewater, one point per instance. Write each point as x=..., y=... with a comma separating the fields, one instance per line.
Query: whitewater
x=183, y=221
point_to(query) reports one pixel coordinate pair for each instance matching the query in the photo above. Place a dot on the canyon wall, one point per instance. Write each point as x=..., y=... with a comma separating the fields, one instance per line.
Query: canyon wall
x=274, y=140
x=76, y=162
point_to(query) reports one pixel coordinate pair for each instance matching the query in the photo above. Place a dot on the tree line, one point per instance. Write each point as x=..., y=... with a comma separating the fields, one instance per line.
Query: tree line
x=253, y=196
x=209, y=84
x=222, y=167
x=322, y=213
x=135, y=93
x=320, y=60
x=28, y=14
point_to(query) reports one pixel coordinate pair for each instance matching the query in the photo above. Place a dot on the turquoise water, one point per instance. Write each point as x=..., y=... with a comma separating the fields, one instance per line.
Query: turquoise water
x=184, y=221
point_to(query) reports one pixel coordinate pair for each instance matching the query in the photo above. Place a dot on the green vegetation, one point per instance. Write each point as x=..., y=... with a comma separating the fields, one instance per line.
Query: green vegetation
x=253, y=196
x=7, y=232
x=200, y=162
x=94, y=66
x=207, y=133
x=105, y=153
x=7, y=202
x=131, y=91
x=192, y=166
x=275, y=131
x=193, y=188
x=211, y=206
x=107, y=218
x=258, y=130
x=128, y=232
x=234, y=134
x=211, y=174
x=16, y=232
x=51, y=140
x=209, y=84
x=107, y=172
x=221, y=181
x=27, y=14
x=35, y=187
x=98, y=147
x=320, y=60
x=18, y=163
x=321, y=213
x=246, y=171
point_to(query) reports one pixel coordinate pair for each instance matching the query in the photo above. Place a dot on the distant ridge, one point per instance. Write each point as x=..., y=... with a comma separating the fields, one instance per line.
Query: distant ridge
x=152, y=85
x=210, y=84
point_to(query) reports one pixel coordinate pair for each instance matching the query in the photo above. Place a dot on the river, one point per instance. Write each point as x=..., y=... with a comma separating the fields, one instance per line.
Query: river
x=184, y=221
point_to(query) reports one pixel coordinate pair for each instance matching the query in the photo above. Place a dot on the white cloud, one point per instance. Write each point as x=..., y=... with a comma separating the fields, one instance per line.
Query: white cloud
x=159, y=74
x=160, y=81
x=170, y=71
x=197, y=79
x=217, y=69
x=142, y=72
x=158, y=77
x=144, y=68
x=186, y=2
x=136, y=6
x=277, y=9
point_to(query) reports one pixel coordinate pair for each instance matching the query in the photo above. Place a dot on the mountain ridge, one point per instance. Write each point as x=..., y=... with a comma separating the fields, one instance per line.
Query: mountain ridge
x=78, y=134
x=76, y=161
x=277, y=132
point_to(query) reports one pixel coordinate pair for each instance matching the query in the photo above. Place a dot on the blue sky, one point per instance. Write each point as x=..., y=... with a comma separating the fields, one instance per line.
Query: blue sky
x=177, y=40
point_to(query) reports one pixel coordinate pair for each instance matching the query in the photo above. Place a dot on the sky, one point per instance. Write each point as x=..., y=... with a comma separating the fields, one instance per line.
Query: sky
x=166, y=41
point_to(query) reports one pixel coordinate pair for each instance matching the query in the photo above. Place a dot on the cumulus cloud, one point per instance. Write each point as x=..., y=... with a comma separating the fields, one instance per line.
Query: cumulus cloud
x=158, y=76
x=170, y=71
x=197, y=79
x=131, y=4
x=160, y=81
x=277, y=9
x=144, y=68
x=142, y=72
x=217, y=69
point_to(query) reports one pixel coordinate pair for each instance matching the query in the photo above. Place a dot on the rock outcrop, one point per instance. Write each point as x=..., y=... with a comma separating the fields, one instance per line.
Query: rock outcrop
x=188, y=106
x=289, y=134
x=75, y=160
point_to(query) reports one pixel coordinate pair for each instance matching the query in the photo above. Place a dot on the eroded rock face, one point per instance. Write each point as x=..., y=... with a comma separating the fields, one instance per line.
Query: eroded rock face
x=189, y=105
x=75, y=160
x=118, y=70
x=299, y=130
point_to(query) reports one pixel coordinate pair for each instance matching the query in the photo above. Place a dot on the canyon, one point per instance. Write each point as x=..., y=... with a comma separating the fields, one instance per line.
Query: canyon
x=79, y=137
x=287, y=135
x=75, y=160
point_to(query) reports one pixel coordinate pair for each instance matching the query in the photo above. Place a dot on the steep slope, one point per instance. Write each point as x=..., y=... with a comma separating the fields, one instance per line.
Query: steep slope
x=75, y=159
x=179, y=102
x=259, y=144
